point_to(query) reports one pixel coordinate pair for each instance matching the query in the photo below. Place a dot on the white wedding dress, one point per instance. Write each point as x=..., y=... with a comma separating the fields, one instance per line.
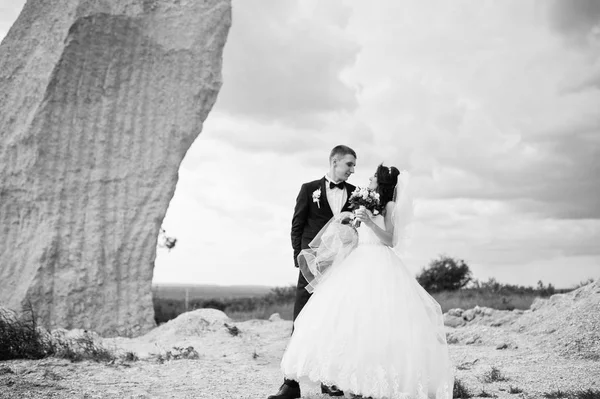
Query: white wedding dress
x=371, y=329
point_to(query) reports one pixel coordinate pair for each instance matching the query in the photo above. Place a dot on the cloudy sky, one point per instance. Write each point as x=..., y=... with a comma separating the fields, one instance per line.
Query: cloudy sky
x=492, y=106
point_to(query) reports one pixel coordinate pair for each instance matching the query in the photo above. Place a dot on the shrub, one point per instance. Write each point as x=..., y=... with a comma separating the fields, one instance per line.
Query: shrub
x=514, y=390
x=493, y=375
x=545, y=290
x=84, y=348
x=460, y=390
x=588, y=394
x=21, y=338
x=558, y=394
x=445, y=273
x=583, y=283
x=486, y=394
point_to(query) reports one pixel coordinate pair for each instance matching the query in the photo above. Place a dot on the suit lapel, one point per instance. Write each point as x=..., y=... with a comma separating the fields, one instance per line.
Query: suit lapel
x=324, y=201
x=349, y=190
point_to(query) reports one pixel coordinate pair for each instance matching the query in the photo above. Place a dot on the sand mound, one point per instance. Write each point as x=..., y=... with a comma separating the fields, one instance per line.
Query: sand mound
x=568, y=323
x=190, y=324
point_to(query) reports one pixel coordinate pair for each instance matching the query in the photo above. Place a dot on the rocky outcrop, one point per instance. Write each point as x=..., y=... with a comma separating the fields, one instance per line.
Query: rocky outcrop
x=480, y=315
x=99, y=102
x=567, y=323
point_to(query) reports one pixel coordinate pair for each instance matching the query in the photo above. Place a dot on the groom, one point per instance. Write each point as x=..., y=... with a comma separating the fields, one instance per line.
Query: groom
x=317, y=202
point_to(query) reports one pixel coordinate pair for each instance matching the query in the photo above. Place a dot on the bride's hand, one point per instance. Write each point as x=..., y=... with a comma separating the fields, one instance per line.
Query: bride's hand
x=364, y=215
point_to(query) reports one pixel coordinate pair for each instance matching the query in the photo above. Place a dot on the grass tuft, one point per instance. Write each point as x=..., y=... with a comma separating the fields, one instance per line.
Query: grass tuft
x=21, y=338
x=233, y=330
x=558, y=394
x=460, y=390
x=130, y=357
x=514, y=390
x=494, y=375
x=485, y=394
x=177, y=353
x=84, y=348
x=588, y=394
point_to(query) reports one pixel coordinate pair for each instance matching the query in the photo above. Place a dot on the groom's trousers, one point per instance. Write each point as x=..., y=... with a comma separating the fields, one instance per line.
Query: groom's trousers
x=302, y=296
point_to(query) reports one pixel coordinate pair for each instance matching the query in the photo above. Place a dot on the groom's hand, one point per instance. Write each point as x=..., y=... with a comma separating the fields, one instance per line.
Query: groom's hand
x=345, y=217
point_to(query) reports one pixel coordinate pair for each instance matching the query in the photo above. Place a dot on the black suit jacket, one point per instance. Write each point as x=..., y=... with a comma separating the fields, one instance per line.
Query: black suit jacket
x=309, y=218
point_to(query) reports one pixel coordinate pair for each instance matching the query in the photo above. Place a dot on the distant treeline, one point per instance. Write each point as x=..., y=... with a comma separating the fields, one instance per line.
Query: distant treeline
x=167, y=309
x=490, y=293
x=207, y=291
x=496, y=287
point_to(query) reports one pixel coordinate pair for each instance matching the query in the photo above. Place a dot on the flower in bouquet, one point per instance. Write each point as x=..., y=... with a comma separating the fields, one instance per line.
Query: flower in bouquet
x=365, y=197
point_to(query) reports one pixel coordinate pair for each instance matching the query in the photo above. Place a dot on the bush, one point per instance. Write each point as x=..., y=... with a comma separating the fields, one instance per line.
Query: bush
x=445, y=274
x=460, y=390
x=494, y=375
x=20, y=338
x=85, y=347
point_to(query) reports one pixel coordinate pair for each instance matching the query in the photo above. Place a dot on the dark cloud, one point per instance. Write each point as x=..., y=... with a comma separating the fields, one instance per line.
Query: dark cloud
x=582, y=83
x=574, y=18
x=563, y=181
x=247, y=134
x=279, y=66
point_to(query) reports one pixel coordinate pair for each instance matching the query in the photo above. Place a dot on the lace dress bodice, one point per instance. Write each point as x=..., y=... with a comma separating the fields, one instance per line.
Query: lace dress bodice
x=367, y=236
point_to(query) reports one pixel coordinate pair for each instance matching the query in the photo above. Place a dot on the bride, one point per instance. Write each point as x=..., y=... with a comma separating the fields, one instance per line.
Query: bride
x=369, y=327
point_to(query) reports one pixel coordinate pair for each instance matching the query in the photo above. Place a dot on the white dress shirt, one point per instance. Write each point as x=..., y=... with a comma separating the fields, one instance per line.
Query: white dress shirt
x=335, y=196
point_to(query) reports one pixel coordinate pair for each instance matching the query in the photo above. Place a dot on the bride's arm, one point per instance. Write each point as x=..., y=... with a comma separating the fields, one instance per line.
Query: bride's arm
x=386, y=236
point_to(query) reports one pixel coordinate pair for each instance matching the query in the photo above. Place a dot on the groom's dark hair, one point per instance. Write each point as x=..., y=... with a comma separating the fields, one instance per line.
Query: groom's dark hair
x=341, y=150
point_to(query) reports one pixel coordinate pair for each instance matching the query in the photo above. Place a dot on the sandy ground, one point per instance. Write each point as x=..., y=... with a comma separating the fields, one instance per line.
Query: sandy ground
x=247, y=365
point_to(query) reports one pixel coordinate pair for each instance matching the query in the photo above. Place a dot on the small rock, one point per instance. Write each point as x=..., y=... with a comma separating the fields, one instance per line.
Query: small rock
x=469, y=314
x=501, y=346
x=275, y=317
x=472, y=340
x=453, y=321
x=451, y=339
x=457, y=312
x=233, y=330
x=182, y=353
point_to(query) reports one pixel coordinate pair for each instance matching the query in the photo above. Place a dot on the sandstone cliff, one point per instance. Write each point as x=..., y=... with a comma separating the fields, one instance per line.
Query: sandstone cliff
x=99, y=102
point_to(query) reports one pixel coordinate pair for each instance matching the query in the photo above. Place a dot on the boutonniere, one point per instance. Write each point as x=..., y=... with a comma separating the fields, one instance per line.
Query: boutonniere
x=317, y=197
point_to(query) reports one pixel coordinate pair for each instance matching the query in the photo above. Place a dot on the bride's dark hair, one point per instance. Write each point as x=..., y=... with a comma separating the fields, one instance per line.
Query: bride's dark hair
x=387, y=178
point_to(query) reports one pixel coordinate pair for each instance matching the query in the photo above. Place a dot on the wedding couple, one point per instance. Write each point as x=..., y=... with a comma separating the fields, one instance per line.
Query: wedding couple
x=362, y=324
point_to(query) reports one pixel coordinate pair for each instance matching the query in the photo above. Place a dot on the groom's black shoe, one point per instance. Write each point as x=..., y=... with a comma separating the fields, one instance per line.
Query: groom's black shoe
x=331, y=391
x=286, y=392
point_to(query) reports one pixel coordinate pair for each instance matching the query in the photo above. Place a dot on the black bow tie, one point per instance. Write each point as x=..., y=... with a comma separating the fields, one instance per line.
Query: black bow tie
x=341, y=185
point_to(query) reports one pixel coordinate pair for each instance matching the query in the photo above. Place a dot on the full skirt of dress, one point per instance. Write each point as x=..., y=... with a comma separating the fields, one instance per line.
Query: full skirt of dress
x=372, y=330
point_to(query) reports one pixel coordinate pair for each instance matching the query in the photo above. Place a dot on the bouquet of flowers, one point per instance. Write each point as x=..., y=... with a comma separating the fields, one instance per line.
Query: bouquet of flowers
x=365, y=197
